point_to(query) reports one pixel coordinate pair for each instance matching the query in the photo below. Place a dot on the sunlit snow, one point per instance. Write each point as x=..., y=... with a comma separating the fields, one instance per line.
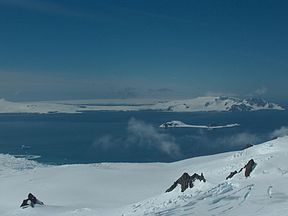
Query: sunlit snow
x=139, y=189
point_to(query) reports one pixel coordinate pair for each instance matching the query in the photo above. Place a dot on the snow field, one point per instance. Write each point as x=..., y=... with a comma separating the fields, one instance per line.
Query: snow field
x=138, y=189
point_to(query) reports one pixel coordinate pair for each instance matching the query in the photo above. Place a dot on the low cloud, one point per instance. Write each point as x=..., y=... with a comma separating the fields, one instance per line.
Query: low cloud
x=105, y=142
x=283, y=131
x=141, y=134
x=128, y=92
x=216, y=94
x=261, y=91
x=160, y=90
x=147, y=135
x=240, y=139
x=42, y=6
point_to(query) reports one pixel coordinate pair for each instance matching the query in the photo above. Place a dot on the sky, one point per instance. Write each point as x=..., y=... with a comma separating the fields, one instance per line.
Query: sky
x=81, y=49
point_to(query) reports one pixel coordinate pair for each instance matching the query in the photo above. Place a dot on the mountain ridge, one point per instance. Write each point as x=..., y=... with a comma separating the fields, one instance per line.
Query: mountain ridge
x=220, y=103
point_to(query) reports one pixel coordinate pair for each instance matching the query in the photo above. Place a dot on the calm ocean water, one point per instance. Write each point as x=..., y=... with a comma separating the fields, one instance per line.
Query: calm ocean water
x=131, y=136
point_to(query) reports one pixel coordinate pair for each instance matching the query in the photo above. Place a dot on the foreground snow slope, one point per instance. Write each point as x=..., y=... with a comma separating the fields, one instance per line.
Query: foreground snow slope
x=138, y=189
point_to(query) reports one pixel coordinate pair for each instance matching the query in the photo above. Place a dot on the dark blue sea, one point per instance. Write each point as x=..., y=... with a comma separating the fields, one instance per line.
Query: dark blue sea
x=132, y=136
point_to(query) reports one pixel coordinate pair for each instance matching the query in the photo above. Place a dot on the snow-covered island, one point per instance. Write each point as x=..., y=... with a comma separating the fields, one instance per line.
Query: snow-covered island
x=231, y=104
x=180, y=124
x=200, y=104
x=139, y=189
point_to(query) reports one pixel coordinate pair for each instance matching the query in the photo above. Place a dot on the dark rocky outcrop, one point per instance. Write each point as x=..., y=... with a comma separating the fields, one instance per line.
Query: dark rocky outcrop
x=240, y=108
x=186, y=181
x=231, y=175
x=247, y=146
x=241, y=169
x=31, y=201
x=248, y=169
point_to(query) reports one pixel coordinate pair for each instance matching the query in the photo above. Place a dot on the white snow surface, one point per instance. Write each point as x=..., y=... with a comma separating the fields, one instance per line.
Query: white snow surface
x=188, y=105
x=180, y=124
x=201, y=104
x=138, y=189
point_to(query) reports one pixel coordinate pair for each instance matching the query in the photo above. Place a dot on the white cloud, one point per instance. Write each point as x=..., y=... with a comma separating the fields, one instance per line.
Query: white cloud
x=141, y=134
x=56, y=86
x=283, y=131
x=261, y=91
x=147, y=135
x=240, y=139
x=105, y=142
x=215, y=94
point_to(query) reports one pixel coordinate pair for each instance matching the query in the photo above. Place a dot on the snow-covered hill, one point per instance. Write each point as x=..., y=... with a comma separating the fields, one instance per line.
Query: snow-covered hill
x=139, y=189
x=188, y=105
x=58, y=107
x=180, y=124
x=216, y=104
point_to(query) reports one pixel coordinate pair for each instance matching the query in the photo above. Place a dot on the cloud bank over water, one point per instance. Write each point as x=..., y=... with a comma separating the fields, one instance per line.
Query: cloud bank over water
x=141, y=134
x=240, y=139
x=283, y=131
x=147, y=135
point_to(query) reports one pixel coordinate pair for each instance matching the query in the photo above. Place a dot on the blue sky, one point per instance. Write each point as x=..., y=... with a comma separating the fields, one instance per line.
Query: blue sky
x=72, y=49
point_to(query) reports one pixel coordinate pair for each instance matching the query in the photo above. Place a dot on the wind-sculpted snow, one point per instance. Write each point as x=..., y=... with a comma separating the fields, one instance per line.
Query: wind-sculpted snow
x=139, y=189
x=13, y=163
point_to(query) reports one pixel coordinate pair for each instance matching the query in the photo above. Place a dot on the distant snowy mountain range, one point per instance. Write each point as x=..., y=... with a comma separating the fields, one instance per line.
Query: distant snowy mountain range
x=200, y=104
x=217, y=104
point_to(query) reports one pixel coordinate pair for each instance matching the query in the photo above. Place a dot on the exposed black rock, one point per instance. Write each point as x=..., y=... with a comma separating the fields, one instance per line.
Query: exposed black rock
x=170, y=108
x=240, y=108
x=186, y=181
x=271, y=106
x=231, y=174
x=247, y=146
x=249, y=167
x=257, y=101
x=31, y=201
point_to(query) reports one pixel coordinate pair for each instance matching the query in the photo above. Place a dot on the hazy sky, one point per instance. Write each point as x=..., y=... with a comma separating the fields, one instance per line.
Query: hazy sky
x=73, y=49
